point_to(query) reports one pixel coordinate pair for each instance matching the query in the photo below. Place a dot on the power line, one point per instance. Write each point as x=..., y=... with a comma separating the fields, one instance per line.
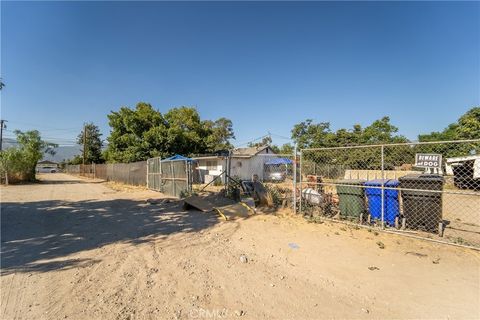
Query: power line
x=280, y=136
x=251, y=141
x=269, y=134
x=49, y=137
x=46, y=128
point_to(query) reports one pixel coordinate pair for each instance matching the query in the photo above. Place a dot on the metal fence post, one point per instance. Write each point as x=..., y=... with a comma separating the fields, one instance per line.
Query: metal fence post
x=172, y=171
x=383, y=188
x=94, y=171
x=300, y=177
x=295, y=179
x=148, y=160
x=159, y=177
x=187, y=177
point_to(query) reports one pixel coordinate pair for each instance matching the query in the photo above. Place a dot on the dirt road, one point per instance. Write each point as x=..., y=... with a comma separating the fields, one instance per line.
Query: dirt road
x=72, y=249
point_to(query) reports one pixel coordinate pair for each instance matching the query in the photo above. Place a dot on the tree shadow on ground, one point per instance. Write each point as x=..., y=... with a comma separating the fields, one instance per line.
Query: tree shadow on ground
x=68, y=181
x=37, y=236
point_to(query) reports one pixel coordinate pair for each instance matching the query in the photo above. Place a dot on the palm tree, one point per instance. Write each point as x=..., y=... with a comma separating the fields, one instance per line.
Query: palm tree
x=1, y=84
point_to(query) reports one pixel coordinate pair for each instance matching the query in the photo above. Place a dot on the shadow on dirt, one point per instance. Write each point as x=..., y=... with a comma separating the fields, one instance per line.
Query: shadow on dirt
x=68, y=181
x=36, y=236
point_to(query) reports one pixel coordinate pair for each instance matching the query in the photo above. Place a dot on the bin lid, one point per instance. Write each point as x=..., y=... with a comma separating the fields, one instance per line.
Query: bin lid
x=392, y=183
x=352, y=182
x=376, y=182
x=422, y=177
x=384, y=182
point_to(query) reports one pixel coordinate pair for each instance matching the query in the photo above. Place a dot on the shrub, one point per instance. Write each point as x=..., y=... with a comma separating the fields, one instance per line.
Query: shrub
x=18, y=163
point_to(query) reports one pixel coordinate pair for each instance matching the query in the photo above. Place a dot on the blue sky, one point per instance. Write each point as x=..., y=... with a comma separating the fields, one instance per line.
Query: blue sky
x=265, y=65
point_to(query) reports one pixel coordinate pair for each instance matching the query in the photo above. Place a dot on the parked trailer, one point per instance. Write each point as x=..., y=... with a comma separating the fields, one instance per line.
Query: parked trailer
x=465, y=171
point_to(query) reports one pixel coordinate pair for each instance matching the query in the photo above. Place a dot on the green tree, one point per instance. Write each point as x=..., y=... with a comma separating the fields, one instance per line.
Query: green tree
x=20, y=162
x=221, y=132
x=136, y=134
x=286, y=149
x=381, y=131
x=78, y=159
x=141, y=133
x=469, y=124
x=467, y=127
x=90, y=139
x=266, y=141
x=308, y=134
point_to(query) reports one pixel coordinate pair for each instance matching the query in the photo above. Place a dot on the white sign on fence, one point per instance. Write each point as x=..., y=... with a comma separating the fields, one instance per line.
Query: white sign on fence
x=428, y=160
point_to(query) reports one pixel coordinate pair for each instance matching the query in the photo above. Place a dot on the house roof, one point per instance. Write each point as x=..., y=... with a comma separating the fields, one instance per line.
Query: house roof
x=250, y=151
x=465, y=158
x=207, y=157
x=46, y=162
x=239, y=153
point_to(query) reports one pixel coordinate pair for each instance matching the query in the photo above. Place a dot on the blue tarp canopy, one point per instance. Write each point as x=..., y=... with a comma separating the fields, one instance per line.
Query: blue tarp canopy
x=178, y=157
x=279, y=161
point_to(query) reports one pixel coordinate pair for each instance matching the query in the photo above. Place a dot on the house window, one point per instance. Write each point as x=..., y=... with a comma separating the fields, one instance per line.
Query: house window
x=211, y=165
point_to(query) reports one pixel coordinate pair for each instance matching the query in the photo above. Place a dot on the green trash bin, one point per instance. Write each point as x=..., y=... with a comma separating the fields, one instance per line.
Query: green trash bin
x=351, y=196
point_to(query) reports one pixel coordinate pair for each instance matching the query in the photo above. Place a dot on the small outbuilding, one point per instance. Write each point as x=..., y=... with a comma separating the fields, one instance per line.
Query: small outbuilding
x=244, y=163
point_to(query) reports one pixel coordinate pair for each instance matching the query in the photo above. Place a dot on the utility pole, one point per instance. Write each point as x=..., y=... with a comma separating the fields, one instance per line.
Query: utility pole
x=84, y=142
x=2, y=126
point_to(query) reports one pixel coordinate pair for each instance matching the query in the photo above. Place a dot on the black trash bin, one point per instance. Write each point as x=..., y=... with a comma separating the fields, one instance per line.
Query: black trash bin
x=422, y=209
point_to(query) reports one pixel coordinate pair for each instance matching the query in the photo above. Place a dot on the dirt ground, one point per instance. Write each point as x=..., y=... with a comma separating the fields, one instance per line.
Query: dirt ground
x=76, y=249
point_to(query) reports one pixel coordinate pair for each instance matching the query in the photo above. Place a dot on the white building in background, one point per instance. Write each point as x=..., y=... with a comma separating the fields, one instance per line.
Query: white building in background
x=245, y=162
x=46, y=166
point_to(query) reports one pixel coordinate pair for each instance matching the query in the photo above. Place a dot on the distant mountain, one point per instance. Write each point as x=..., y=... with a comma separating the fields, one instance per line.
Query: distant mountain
x=8, y=143
x=61, y=153
x=64, y=153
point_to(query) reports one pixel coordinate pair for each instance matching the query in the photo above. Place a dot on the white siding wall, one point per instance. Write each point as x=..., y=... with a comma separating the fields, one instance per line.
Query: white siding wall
x=203, y=168
x=245, y=168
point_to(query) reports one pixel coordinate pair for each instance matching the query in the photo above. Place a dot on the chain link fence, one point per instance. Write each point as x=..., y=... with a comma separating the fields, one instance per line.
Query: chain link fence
x=171, y=177
x=275, y=171
x=429, y=189
x=134, y=173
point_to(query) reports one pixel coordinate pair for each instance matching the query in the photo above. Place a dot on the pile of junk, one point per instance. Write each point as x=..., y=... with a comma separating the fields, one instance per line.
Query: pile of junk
x=239, y=198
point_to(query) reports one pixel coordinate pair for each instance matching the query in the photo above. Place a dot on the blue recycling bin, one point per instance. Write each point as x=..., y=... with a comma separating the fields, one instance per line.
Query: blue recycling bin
x=374, y=196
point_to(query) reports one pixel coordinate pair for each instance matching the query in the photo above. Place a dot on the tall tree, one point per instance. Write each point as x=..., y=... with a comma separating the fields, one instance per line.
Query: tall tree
x=469, y=124
x=308, y=134
x=221, y=132
x=136, y=134
x=381, y=131
x=91, y=141
x=141, y=133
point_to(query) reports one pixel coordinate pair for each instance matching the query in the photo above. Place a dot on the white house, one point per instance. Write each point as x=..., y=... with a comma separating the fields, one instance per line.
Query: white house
x=209, y=167
x=245, y=162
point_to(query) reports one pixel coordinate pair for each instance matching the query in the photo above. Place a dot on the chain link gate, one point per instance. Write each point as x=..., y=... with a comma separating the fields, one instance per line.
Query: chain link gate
x=171, y=177
x=425, y=189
